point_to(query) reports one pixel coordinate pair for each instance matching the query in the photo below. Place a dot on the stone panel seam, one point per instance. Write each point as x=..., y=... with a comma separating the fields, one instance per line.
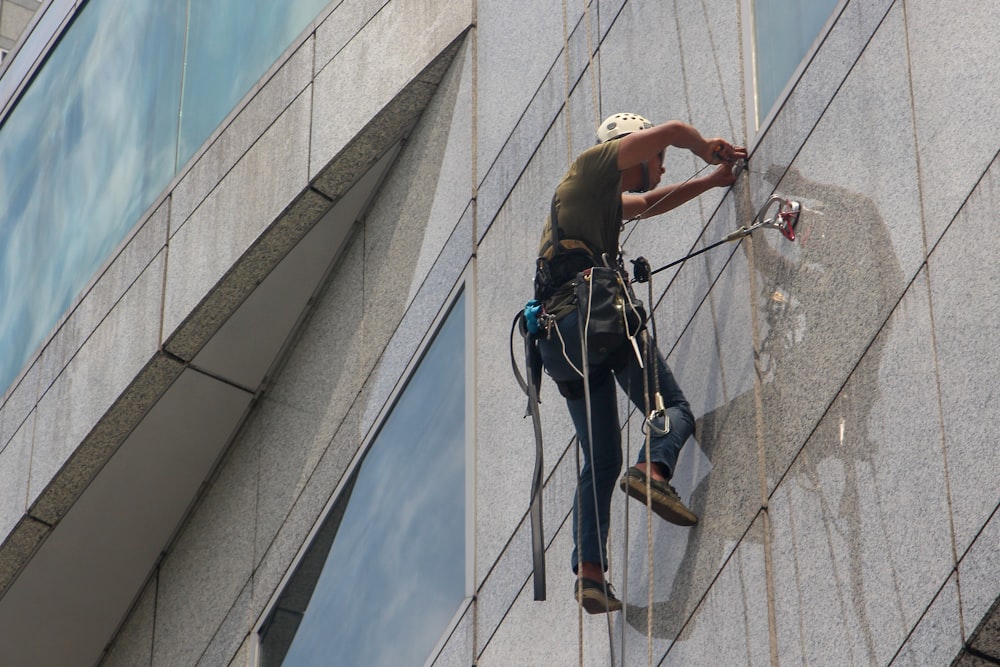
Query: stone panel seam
x=939, y=401
x=473, y=261
x=923, y=614
x=515, y=178
x=237, y=160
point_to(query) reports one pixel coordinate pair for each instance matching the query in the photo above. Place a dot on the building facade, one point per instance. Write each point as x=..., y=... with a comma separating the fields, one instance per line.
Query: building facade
x=259, y=266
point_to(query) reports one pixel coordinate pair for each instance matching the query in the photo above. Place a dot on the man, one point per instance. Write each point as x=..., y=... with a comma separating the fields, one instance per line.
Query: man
x=614, y=181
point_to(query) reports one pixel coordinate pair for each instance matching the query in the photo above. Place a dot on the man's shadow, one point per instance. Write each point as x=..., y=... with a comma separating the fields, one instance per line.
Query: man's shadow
x=803, y=294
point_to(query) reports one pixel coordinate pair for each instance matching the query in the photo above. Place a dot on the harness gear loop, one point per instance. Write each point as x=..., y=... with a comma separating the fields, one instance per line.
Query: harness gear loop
x=529, y=384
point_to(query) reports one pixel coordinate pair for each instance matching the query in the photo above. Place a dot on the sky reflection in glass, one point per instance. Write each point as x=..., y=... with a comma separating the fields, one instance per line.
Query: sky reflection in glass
x=225, y=64
x=394, y=575
x=84, y=153
x=97, y=136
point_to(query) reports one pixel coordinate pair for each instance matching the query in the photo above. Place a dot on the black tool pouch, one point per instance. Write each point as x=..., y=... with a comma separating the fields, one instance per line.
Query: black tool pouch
x=609, y=314
x=563, y=267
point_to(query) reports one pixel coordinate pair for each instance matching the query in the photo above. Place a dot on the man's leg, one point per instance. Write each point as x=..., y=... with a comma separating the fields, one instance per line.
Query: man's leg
x=602, y=463
x=562, y=357
x=669, y=433
x=664, y=447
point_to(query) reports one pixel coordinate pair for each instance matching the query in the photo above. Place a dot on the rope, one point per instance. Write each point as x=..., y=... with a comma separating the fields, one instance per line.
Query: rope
x=585, y=361
x=579, y=499
x=650, y=574
x=585, y=354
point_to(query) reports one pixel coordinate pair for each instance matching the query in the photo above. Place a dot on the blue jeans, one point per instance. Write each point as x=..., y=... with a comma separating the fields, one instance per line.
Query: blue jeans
x=603, y=463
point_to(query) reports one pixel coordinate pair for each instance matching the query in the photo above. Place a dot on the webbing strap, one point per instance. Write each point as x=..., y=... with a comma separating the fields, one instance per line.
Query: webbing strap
x=533, y=373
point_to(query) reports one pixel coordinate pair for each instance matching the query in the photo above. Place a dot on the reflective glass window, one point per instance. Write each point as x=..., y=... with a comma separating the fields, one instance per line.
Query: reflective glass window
x=223, y=64
x=86, y=150
x=385, y=574
x=131, y=90
x=784, y=31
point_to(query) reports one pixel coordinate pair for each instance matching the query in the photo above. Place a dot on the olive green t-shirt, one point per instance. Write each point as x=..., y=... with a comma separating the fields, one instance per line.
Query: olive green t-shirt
x=588, y=204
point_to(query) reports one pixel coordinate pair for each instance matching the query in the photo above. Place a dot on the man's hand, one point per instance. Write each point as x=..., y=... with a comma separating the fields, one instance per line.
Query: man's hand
x=723, y=176
x=720, y=151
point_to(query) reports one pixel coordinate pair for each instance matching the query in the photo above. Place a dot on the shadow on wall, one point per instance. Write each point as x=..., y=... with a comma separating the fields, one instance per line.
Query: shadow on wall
x=819, y=304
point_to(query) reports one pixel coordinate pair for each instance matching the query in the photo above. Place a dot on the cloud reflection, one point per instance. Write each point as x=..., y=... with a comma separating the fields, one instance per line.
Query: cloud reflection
x=395, y=573
x=94, y=139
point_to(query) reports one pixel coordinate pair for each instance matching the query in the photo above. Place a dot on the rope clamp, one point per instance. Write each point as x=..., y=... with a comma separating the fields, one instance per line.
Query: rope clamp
x=785, y=219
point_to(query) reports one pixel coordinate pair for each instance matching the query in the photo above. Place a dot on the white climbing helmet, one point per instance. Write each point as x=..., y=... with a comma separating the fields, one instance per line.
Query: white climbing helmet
x=619, y=125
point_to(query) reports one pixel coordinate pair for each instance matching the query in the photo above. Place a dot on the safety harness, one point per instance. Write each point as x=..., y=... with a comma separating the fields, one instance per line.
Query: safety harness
x=561, y=261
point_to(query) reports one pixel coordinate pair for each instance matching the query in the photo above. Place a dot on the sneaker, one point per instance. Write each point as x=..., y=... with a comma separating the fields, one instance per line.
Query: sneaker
x=595, y=596
x=665, y=501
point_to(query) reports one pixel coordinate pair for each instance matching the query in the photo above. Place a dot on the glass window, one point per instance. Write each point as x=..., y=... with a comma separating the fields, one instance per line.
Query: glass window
x=87, y=149
x=222, y=65
x=103, y=127
x=784, y=32
x=385, y=574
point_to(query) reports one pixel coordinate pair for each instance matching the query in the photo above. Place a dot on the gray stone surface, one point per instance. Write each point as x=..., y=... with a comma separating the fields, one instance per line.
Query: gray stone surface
x=15, y=466
x=245, y=203
x=859, y=507
x=430, y=187
x=418, y=316
x=717, y=472
x=504, y=92
x=210, y=564
x=986, y=639
x=235, y=287
x=458, y=650
x=358, y=87
x=18, y=403
x=861, y=536
x=134, y=645
x=509, y=577
x=341, y=26
x=730, y=625
x=505, y=443
x=547, y=633
x=243, y=655
x=956, y=85
x=808, y=101
x=978, y=574
x=230, y=635
x=15, y=16
x=132, y=258
x=310, y=403
x=821, y=300
x=539, y=128
x=277, y=556
x=937, y=638
x=95, y=379
x=965, y=293
x=233, y=139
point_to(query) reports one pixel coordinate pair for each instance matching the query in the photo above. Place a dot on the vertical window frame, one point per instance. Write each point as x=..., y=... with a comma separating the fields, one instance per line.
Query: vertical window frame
x=462, y=288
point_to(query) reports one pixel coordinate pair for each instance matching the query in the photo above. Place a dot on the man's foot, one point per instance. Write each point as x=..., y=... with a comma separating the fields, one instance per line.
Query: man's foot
x=595, y=596
x=665, y=501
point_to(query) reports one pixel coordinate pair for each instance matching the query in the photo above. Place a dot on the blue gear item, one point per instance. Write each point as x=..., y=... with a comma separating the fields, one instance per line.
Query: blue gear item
x=531, y=312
